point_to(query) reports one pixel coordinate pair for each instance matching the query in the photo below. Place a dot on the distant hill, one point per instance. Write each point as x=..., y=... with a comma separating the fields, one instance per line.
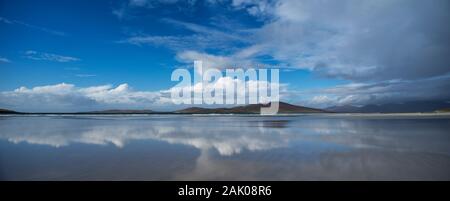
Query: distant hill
x=443, y=110
x=414, y=106
x=120, y=112
x=5, y=111
x=344, y=108
x=284, y=108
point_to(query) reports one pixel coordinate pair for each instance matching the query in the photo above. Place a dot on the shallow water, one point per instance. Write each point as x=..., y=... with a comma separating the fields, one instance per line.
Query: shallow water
x=185, y=147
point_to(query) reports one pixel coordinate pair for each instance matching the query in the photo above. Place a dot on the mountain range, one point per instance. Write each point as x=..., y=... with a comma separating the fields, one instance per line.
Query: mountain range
x=5, y=111
x=413, y=106
x=284, y=108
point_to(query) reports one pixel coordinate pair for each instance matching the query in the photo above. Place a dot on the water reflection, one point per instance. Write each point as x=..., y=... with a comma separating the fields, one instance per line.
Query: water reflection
x=225, y=147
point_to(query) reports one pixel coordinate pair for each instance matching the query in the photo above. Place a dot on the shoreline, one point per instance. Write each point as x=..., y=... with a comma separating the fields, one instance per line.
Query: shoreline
x=415, y=114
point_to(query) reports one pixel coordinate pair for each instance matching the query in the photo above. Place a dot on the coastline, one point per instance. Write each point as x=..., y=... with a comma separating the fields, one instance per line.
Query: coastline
x=417, y=114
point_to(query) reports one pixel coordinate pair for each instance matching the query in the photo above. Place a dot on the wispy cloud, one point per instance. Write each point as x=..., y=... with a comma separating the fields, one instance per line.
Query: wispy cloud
x=85, y=75
x=206, y=30
x=195, y=46
x=31, y=26
x=199, y=38
x=34, y=55
x=125, y=9
x=151, y=3
x=119, y=12
x=4, y=60
x=72, y=68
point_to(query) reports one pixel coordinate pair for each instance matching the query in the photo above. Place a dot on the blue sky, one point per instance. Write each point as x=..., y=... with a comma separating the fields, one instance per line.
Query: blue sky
x=329, y=53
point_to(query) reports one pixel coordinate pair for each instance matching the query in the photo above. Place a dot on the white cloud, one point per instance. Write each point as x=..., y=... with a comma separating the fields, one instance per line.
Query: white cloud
x=387, y=46
x=34, y=55
x=174, y=132
x=358, y=40
x=206, y=30
x=173, y=42
x=214, y=61
x=320, y=100
x=85, y=75
x=241, y=89
x=151, y=3
x=120, y=12
x=240, y=59
x=31, y=26
x=349, y=39
x=258, y=8
x=5, y=20
x=138, y=2
x=125, y=9
x=4, y=60
x=203, y=38
x=68, y=97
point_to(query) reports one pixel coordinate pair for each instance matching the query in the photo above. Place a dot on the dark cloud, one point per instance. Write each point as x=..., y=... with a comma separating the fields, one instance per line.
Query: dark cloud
x=362, y=40
x=392, y=91
x=390, y=50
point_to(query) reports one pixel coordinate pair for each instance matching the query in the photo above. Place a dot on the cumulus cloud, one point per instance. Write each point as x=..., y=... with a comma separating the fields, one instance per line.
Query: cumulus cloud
x=258, y=8
x=65, y=97
x=242, y=89
x=68, y=97
x=34, y=55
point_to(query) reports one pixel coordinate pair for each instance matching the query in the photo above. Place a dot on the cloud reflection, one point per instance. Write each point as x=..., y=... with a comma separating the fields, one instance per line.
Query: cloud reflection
x=199, y=133
x=227, y=135
x=234, y=147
